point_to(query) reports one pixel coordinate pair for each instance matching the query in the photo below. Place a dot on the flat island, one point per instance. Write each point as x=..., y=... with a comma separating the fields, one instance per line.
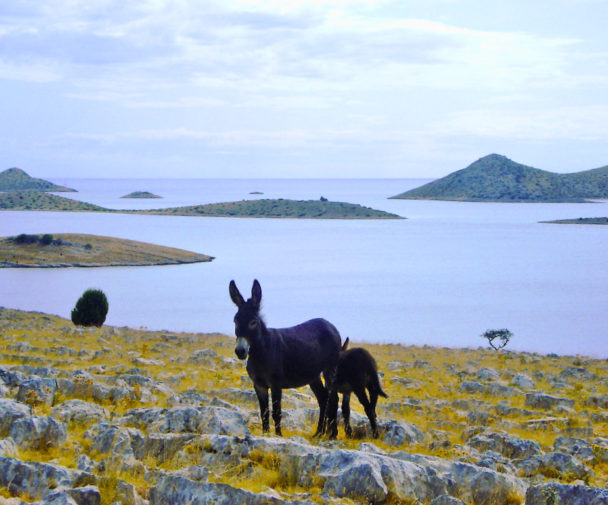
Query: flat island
x=141, y=194
x=278, y=208
x=76, y=250
x=580, y=220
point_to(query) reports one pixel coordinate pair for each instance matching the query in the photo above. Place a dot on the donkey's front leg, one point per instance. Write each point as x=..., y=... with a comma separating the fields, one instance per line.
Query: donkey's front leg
x=262, y=393
x=371, y=413
x=277, y=394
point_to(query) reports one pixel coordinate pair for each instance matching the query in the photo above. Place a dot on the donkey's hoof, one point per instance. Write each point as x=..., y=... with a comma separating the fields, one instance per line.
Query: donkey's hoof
x=319, y=433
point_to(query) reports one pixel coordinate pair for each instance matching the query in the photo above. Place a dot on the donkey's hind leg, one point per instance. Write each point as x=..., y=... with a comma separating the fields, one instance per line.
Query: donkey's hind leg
x=321, y=394
x=330, y=374
x=346, y=414
x=369, y=409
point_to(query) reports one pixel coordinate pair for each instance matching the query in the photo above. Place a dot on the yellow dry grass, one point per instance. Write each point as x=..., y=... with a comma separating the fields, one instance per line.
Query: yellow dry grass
x=423, y=384
x=92, y=250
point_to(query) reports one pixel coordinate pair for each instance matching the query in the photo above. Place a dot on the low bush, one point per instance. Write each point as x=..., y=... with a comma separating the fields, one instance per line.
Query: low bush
x=91, y=308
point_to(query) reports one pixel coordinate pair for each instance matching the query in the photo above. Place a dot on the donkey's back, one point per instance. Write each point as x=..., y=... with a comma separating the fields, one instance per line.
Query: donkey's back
x=317, y=331
x=306, y=350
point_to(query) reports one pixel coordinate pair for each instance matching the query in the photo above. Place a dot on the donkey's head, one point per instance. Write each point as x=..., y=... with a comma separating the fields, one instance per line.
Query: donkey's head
x=247, y=322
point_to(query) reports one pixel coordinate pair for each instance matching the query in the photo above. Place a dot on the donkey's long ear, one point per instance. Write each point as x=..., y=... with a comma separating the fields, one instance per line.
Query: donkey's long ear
x=235, y=294
x=256, y=293
x=345, y=344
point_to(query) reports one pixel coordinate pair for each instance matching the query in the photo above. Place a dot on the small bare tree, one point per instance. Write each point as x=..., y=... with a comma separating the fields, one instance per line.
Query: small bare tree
x=501, y=336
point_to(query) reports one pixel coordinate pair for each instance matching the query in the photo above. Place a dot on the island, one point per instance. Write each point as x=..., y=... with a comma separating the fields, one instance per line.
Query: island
x=141, y=194
x=37, y=200
x=15, y=179
x=278, y=208
x=77, y=250
x=580, y=220
x=496, y=178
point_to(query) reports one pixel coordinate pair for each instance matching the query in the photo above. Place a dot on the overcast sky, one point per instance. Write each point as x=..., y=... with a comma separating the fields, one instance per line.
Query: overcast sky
x=300, y=88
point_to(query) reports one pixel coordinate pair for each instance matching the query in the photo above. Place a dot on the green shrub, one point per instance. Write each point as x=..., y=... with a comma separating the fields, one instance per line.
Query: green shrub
x=503, y=335
x=91, y=308
x=46, y=239
x=24, y=238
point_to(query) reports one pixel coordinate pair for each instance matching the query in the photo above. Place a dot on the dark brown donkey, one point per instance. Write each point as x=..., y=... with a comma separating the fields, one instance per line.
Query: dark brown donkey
x=287, y=358
x=357, y=371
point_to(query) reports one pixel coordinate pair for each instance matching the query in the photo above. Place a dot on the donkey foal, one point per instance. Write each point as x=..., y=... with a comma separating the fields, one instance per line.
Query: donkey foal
x=357, y=371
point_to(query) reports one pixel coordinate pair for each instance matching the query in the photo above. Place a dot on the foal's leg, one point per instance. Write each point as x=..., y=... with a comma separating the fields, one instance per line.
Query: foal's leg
x=262, y=394
x=321, y=394
x=359, y=390
x=277, y=393
x=346, y=414
x=373, y=400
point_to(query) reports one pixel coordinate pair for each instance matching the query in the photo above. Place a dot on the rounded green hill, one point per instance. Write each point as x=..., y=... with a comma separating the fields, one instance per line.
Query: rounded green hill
x=496, y=178
x=15, y=179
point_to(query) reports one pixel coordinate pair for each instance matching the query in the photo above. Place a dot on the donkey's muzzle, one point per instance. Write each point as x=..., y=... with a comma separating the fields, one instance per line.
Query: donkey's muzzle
x=242, y=348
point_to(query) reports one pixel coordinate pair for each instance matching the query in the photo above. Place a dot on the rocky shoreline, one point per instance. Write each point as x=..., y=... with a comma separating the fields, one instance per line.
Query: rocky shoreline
x=121, y=415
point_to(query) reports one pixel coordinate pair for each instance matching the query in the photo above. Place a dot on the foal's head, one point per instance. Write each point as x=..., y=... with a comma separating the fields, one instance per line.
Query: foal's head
x=247, y=321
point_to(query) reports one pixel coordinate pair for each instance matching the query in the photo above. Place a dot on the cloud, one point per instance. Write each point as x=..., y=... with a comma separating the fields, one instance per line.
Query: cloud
x=269, y=45
x=386, y=77
x=583, y=123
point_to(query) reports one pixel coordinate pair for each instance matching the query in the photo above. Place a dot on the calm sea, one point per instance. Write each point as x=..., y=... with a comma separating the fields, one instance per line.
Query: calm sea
x=441, y=277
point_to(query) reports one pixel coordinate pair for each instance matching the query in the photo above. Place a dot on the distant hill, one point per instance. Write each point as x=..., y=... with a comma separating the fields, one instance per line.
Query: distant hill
x=37, y=200
x=15, y=179
x=496, y=178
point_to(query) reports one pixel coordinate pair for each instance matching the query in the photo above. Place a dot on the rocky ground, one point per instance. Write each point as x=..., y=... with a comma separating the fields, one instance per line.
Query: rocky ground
x=121, y=415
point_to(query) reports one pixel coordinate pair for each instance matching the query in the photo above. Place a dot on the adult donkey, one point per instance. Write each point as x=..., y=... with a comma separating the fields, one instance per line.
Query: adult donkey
x=287, y=358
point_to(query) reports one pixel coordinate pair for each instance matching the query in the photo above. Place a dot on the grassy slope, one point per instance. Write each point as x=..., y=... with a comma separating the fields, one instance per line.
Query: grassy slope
x=103, y=251
x=497, y=178
x=311, y=209
x=15, y=179
x=423, y=384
